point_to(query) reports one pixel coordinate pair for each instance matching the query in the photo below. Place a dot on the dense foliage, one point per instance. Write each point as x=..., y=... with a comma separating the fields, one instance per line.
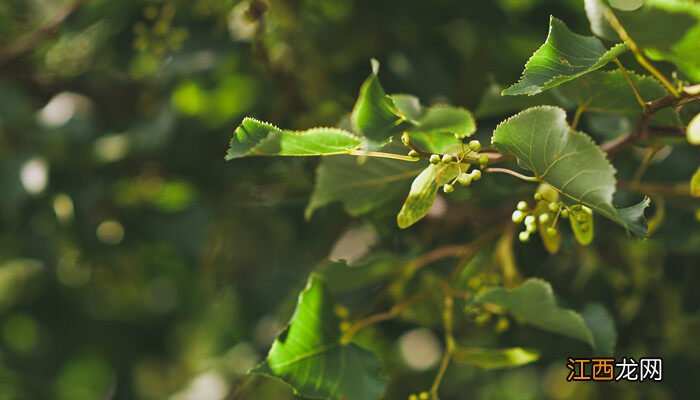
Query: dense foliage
x=430, y=250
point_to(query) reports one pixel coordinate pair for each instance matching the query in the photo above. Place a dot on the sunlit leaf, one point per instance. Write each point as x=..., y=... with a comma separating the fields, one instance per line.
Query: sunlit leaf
x=564, y=56
x=693, y=130
x=255, y=138
x=567, y=160
x=533, y=303
x=308, y=355
x=423, y=192
x=495, y=358
x=695, y=184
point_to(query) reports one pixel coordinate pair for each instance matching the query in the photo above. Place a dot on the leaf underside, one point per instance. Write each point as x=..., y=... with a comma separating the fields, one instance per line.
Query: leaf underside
x=567, y=160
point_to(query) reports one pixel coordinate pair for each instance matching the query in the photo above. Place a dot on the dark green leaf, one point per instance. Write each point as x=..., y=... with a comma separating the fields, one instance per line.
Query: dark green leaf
x=567, y=160
x=695, y=184
x=495, y=358
x=340, y=277
x=602, y=325
x=563, y=57
x=308, y=355
x=533, y=303
x=255, y=138
x=361, y=187
x=423, y=192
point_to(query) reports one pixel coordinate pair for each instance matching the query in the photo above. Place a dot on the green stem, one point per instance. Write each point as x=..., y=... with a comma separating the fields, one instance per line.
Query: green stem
x=449, y=343
x=577, y=117
x=513, y=173
x=379, y=154
x=637, y=95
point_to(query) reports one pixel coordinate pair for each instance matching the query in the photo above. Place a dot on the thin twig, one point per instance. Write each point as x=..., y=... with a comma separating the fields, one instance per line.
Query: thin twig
x=637, y=95
x=449, y=342
x=513, y=173
x=31, y=40
x=579, y=110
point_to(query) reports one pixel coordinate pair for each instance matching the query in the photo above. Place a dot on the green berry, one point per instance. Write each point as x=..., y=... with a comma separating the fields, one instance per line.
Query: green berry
x=553, y=207
x=483, y=159
x=434, y=159
x=524, y=237
x=581, y=218
x=405, y=139
x=413, y=154
x=565, y=213
x=551, y=231
x=544, y=218
x=584, y=227
x=475, y=145
x=447, y=158
x=475, y=174
x=413, y=397
x=522, y=206
x=538, y=196
x=577, y=207
x=517, y=216
x=424, y=396
x=464, y=179
x=530, y=220
x=448, y=188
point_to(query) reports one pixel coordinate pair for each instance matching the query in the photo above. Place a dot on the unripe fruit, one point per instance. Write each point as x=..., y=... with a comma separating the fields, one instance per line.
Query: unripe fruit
x=551, y=231
x=584, y=227
x=413, y=154
x=544, y=218
x=434, y=159
x=447, y=158
x=424, y=396
x=464, y=179
x=587, y=210
x=517, y=216
x=502, y=325
x=413, y=397
x=538, y=196
x=405, y=139
x=524, y=237
x=553, y=207
x=565, y=213
x=483, y=159
x=475, y=145
x=530, y=220
x=448, y=188
x=522, y=206
x=577, y=207
x=475, y=174
x=581, y=218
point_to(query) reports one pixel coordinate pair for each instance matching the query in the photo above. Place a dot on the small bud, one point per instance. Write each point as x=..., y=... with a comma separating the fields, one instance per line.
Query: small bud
x=434, y=159
x=475, y=174
x=551, y=231
x=584, y=227
x=522, y=206
x=565, y=213
x=502, y=325
x=524, y=237
x=423, y=396
x=530, y=220
x=405, y=139
x=344, y=326
x=577, y=207
x=517, y=216
x=448, y=188
x=544, y=218
x=341, y=311
x=413, y=154
x=483, y=159
x=587, y=210
x=553, y=207
x=538, y=196
x=475, y=145
x=447, y=158
x=464, y=179
x=413, y=397
x=581, y=218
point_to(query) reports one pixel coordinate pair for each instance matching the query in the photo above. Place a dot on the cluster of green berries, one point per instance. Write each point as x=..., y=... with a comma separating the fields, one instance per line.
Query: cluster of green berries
x=419, y=396
x=160, y=36
x=523, y=214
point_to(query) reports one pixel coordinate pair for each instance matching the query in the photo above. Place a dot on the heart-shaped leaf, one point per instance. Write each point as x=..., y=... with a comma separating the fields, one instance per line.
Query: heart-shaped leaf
x=256, y=138
x=567, y=160
x=564, y=56
x=308, y=354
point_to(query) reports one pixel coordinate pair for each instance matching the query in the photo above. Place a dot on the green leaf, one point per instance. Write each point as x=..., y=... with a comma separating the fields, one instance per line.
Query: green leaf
x=595, y=10
x=408, y=105
x=494, y=104
x=533, y=304
x=602, y=325
x=494, y=358
x=360, y=187
x=567, y=160
x=256, y=138
x=423, y=192
x=695, y=184
x=308, y=355
x=608, y=92
x=437, y=128
x=563, y=57
x=693, y=130
x=375, y=115
x=372, y=270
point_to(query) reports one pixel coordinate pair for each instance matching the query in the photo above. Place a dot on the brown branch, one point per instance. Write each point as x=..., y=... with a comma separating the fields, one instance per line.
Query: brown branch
x=641, y=130
x=26, y=43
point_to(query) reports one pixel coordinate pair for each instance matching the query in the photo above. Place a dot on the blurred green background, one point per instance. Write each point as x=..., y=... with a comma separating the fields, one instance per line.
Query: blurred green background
x=136, y=264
